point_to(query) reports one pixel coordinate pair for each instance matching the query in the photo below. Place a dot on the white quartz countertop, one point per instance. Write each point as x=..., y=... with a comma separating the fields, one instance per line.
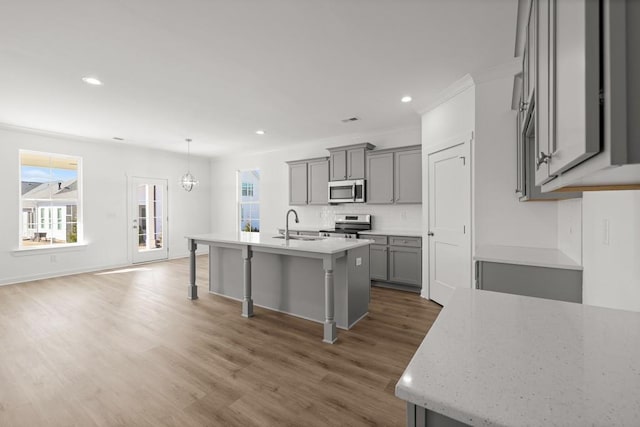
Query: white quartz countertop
x=538, y=257
x=324, y=246
x=495, y=359
x=383, y=232
x=312, y=228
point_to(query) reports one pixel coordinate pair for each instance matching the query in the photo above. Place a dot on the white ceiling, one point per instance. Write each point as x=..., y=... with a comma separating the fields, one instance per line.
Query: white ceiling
x=216, y=71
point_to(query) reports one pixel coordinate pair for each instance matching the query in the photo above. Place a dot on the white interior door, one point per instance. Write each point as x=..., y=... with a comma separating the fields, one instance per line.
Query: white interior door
x=449, y=220
x=148, y=219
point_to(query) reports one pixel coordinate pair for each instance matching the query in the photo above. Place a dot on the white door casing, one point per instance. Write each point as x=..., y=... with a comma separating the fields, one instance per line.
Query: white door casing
x=148, y=219
x=449, y=197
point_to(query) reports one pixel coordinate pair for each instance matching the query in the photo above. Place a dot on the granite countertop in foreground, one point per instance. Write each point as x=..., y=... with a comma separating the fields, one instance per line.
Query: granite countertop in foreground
x=494, y=359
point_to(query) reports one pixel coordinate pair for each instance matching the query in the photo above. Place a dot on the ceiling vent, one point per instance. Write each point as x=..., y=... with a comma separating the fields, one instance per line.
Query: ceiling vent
x=350, y=119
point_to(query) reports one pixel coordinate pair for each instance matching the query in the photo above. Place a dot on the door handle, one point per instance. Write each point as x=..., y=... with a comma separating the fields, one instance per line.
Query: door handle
x=430, y=233
x=543, y=158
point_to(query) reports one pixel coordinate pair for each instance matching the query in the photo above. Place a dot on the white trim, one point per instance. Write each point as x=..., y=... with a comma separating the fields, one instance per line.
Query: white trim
x=463, y=138
x=507, y=69
x=451, y=91
x=45, y=249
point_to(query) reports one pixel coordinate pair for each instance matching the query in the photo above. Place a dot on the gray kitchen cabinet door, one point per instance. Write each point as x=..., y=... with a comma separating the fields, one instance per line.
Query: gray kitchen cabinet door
x=408, y=176
x=575, y=83
x=405, y=265
x=318, y=191
x=378, y=263
x=298, y=184
x=355, y=163
x=338, y=165
x=380, y=178
x=542, y=122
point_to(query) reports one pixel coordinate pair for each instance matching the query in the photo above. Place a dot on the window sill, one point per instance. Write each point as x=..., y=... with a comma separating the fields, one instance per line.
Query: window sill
x=49, y=249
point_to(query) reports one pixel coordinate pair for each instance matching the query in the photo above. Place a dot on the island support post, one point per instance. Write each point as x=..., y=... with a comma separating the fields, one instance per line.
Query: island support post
x=193, y=289
x=247, y=302
x=330, y=334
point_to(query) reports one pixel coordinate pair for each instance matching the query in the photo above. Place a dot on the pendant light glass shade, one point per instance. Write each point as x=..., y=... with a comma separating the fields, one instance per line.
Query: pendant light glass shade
x=188, y=181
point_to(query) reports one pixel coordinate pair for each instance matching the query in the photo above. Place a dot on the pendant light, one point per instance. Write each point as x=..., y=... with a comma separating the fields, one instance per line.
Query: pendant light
x=188, y=181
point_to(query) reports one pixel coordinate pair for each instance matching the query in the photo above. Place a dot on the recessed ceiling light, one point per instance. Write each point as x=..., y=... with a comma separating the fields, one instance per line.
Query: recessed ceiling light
x=92, y=81
x=260, y=132
x=406, y=99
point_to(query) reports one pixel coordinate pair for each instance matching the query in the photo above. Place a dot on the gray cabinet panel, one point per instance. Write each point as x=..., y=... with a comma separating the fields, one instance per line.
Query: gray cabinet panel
x=551, y=283
x=408, y=176
x=413, y=242
x=380, y=240
x=380, y=178
x=405, y=265
x=379, y=269
x=355, y=163
x=298, y=184
x=318, y=172
x=338, y=165
x=575, y=79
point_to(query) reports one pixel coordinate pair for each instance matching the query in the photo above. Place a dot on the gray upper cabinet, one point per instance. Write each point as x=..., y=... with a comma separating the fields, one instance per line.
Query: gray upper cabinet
x=355, y=163
x=380, y=178
x=348, y=162
x=584, y=102
x=338, y=165
x=308, y=182
x=318, y=173
x=394, y=175
x=408, y=176
x=575, y=78
x=298, y=183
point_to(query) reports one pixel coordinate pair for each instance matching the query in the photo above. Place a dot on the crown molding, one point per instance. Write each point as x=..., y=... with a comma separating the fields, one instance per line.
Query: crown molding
x=451, y=91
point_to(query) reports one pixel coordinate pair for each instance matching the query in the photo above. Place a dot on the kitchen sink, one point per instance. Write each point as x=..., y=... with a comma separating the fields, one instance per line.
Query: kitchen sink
x=306, y=238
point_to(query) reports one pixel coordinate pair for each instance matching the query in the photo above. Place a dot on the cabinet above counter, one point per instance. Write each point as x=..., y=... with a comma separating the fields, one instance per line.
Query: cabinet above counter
x=392, y=175
x=578, y=61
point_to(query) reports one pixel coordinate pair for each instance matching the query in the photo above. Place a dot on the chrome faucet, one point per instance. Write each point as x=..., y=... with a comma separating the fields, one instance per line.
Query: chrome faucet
x=286, y=227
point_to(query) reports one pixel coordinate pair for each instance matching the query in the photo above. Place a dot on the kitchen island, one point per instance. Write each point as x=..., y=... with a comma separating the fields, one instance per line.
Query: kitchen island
x=494, y=359
x=324, y=280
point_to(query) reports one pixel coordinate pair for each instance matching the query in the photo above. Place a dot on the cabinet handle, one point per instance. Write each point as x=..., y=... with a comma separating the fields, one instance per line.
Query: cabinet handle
x=430, y=233
x=542, y=158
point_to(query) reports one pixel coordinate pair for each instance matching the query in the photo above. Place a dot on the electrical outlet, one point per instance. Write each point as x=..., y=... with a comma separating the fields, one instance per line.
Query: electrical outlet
x=358, y=262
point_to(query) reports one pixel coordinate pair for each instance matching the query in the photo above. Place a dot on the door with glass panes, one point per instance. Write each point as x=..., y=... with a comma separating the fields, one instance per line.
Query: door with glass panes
x=148, y=219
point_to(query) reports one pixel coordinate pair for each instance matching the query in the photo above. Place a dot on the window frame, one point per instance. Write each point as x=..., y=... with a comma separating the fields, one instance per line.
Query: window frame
x=79, y=205
x=239, y=194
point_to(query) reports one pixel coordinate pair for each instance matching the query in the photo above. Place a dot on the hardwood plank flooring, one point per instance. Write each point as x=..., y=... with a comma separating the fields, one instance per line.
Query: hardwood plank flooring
x=127, y=348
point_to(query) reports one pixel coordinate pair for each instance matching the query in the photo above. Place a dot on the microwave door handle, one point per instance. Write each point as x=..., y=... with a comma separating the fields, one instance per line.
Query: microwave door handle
x=353, y=192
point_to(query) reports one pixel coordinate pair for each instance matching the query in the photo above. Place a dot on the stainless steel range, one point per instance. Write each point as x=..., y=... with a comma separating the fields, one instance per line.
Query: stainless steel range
x=348, y=225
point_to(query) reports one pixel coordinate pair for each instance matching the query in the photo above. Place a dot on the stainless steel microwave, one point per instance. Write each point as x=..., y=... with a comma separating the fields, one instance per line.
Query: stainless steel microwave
x=352, y=191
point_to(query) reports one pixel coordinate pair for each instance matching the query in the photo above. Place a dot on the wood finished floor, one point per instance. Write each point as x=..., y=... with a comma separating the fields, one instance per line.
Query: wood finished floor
x=129, y=349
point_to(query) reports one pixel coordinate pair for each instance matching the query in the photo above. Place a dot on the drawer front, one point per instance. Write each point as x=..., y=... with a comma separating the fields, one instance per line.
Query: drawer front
x=379, y=240
x=412, y=242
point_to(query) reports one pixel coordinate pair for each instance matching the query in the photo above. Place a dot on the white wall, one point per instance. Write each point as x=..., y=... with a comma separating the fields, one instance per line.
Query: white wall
x=274, y=201
x=500, y=218
x=611, y=275
x=106, y=225
x=570, y=228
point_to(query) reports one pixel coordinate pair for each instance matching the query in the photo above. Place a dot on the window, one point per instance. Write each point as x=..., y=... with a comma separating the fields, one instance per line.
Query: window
x=249, y=200
x=49, y=199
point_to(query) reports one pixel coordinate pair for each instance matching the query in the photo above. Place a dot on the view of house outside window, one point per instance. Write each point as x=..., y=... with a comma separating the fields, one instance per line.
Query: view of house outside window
x=249, y=200
x=49, y=199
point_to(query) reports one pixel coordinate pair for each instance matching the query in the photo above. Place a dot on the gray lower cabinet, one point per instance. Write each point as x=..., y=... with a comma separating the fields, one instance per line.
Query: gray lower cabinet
x=541, y=282
x=379, y=262
x=308, y=182
x=396, y=261
x=405, y=265
x=418, y=416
